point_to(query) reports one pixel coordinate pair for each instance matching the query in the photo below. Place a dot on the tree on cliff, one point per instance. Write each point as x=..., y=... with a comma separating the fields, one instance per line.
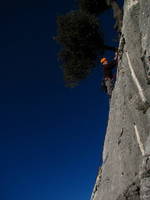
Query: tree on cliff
x=82, y=41
x=96, y=7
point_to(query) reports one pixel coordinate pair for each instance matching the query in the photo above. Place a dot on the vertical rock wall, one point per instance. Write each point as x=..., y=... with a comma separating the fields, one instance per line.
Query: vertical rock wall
x=125, y=172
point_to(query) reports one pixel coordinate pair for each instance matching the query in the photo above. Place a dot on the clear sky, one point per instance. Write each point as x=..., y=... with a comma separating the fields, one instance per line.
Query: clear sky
x=51, y=137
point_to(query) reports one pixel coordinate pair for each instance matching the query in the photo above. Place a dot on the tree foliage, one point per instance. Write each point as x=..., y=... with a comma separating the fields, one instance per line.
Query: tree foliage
x=79, y=34
x=93, y=6
x=81, y=39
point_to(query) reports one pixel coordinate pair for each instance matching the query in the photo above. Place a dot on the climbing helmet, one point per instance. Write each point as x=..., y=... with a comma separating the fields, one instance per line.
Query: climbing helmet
x=103, y=60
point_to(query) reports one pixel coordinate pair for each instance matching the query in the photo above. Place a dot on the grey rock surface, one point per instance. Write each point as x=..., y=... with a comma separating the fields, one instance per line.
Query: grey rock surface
x=125, y=172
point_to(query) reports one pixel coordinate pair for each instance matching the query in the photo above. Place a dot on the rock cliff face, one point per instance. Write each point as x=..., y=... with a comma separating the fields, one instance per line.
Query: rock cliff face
x=125, y=172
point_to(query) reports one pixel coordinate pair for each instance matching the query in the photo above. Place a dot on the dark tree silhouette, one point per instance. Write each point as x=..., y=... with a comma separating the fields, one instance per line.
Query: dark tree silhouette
x=97, y=7
x=81, y=38
x=94, y=7
x=79, y=34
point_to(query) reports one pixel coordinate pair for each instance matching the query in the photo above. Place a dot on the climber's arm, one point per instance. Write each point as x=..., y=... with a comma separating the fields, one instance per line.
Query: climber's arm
x=112, y=64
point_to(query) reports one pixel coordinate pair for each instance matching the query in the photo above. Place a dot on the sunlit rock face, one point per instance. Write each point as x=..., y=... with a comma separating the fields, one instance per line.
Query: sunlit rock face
x=125, y=172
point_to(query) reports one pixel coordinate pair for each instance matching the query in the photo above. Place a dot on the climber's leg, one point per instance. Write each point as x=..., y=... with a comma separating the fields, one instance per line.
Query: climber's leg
x=109, y=85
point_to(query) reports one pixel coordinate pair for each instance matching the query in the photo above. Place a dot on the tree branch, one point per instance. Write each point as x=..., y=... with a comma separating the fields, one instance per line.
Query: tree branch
x=117, y=12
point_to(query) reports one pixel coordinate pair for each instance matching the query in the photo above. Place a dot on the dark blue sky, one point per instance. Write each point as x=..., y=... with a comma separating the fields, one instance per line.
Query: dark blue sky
x=51, y=137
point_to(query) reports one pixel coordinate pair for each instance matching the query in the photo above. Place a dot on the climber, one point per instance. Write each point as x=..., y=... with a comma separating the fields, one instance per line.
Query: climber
x=108, y=81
